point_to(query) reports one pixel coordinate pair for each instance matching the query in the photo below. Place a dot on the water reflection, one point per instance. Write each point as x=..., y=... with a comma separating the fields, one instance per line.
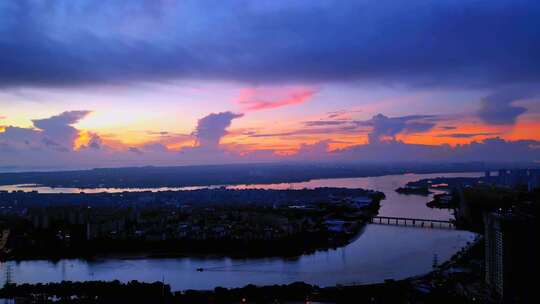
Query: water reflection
x=383, y=252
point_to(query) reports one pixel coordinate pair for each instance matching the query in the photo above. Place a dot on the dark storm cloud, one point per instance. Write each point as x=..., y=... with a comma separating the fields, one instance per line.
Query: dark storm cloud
x=437, y=42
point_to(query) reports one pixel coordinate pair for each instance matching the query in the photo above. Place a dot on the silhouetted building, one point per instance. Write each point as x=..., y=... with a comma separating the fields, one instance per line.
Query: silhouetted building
x=526, y=179
x=511, y=255
x=534, y=180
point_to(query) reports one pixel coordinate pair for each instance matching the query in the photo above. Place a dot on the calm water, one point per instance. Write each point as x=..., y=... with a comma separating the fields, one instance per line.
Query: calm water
x=379, y=253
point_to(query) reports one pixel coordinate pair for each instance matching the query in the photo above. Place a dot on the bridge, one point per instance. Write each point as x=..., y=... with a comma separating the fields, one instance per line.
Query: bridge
x=412, y=222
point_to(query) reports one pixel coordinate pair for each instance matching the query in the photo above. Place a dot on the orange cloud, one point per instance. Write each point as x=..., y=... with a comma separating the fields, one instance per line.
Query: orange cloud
x=254, y=99
x=458, y=133
x=525, y=130
x=82, y=140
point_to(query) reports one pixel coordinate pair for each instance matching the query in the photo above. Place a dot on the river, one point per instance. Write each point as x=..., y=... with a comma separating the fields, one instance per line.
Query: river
x=380, y=252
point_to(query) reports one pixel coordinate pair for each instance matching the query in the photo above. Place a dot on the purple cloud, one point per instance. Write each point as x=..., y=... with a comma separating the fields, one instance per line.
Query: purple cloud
x=499, y=109
x=55, y=132
x=210, y=129
x=467, y=135
x=386, y=128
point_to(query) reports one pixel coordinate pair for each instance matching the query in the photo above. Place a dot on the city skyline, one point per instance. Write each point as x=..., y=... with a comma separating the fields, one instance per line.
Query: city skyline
x=172, y=83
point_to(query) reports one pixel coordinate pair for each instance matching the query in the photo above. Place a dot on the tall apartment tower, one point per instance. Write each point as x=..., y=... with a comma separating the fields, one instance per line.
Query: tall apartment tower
x=511, y=253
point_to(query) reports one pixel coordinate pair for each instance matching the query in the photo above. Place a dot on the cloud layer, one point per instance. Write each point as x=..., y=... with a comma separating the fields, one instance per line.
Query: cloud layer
x=51, y=144
x=424, y=43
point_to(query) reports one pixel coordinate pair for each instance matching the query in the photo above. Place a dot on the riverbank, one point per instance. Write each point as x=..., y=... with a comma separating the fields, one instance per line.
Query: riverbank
x=457, y=281
x=298, y=245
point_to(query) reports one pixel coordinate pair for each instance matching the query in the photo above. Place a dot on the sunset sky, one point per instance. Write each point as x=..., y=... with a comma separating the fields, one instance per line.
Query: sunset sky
x=112, y=83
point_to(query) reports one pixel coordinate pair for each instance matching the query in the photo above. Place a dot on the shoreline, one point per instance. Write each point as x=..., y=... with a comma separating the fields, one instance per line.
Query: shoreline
x=283, y=251
x=268, y=181
x=440, y=284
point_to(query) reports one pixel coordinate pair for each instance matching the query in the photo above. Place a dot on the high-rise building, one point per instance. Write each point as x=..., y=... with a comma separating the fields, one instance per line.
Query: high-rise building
x=534, y=179
x=511, y=255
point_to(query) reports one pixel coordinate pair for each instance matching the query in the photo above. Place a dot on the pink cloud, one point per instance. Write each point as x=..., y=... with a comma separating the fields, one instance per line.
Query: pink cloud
x=254, y=99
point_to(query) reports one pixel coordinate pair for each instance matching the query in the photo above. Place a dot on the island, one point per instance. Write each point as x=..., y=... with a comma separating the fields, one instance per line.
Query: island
x=444, y=201
x=228, y=222
x=413, y=190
